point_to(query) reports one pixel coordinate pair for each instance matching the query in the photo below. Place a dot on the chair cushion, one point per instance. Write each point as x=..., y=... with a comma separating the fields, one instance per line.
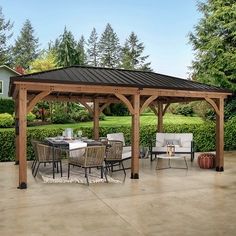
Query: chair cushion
x=116, y=136
x=126, y=154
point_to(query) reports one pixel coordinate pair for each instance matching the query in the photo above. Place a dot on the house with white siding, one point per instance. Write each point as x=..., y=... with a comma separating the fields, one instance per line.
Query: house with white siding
x=5, y=74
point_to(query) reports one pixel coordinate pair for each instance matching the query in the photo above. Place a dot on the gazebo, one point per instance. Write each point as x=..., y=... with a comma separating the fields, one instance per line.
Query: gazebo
x=103, y=86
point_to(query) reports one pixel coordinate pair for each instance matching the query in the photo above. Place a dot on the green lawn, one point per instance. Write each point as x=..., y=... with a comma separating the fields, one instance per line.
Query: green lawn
x=146, y=119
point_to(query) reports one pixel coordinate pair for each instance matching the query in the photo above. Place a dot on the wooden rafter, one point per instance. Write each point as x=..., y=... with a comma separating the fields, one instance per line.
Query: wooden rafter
x=126, y=102
x=36, y=99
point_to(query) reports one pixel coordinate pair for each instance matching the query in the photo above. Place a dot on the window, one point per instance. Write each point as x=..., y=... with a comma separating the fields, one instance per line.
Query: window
x=1, y=87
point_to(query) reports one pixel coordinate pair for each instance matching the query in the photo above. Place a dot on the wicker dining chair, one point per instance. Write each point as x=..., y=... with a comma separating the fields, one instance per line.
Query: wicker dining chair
x=87, y=158
x=114, y=155
x=45, y=154
x=34, y=145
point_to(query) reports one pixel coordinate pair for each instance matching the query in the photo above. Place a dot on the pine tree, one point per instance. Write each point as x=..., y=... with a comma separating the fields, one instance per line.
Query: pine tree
x=214, y=43
x=5, y=35
x=81, y=51
x=66, y=51
x=109, y=48
x=132, y=54
x=92, y=50
x=26, y=46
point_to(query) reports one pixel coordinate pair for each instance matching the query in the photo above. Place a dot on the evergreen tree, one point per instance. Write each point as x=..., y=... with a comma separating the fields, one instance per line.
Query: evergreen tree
x=26, y=46
x=66, y=51
x=5, y=35
x=81, y=51
x=132, y=55
x=214, y=42
x=93, y=48
x=109, y=48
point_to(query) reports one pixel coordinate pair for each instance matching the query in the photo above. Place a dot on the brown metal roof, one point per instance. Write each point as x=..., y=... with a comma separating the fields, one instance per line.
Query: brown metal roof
x=114, y=77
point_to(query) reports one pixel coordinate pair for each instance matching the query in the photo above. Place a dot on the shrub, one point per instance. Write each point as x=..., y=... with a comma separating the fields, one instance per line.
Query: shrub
x=82, y=116
x=61, y=118
x=119, y=109
x=6, y=120
x=7, y=105
x=31, y=117
x=185, y=110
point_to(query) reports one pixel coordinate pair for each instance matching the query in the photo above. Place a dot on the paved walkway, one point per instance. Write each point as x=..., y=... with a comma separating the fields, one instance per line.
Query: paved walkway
x=167, y=202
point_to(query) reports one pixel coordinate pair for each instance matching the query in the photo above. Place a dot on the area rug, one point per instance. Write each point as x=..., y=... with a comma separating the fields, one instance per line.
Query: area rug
x=76, y=175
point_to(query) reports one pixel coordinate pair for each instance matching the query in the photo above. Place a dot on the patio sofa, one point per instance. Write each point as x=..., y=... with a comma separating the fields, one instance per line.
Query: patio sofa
x=183, y=143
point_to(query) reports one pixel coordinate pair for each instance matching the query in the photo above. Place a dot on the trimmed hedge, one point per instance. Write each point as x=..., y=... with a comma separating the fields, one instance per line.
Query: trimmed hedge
x=204, y=136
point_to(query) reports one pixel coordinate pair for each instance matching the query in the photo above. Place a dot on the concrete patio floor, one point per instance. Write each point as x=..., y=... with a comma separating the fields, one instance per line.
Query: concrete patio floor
x=165, y=202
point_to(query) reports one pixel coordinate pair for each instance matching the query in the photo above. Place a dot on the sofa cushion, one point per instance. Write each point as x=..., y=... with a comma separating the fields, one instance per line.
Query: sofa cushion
x=176, y=142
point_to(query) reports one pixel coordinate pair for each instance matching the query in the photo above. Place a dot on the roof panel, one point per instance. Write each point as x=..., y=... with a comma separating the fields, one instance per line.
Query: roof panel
x=115, y=77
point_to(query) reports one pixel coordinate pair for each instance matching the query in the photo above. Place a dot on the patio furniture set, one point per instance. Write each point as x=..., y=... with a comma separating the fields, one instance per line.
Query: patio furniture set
x=104, y=154
x=110, y=152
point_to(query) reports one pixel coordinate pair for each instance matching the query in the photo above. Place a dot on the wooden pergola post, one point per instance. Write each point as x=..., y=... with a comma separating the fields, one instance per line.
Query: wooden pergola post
x=96, y=112
x=17, y=130
x=220, y=135
x=135, y=137
x=21, y=136
x=160, y=117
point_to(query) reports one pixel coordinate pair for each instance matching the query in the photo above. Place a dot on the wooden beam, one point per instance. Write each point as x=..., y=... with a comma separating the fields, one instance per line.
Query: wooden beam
x=135, y=138
x=165, y=109
x=182, y=93
x=75, y=88
x=160, y=117
x=220, y=136
x=15, y=92
x=21, y=142
x=126, y=102
x=213, y=104
x=90, y=110
x=96, y=120
x=147, y=102
x=103, y=107
x=17, y=129
x=75, y=98
x=36, y=99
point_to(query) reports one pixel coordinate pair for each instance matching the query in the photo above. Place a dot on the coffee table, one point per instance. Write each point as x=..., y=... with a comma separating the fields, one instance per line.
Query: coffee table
x=169, y=158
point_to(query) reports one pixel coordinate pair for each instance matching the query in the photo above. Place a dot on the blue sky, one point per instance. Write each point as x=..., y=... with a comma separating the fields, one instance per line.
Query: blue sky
x=162, y=25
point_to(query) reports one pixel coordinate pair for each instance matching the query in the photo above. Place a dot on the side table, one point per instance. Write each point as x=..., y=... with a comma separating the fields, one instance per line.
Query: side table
x=169, y=158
